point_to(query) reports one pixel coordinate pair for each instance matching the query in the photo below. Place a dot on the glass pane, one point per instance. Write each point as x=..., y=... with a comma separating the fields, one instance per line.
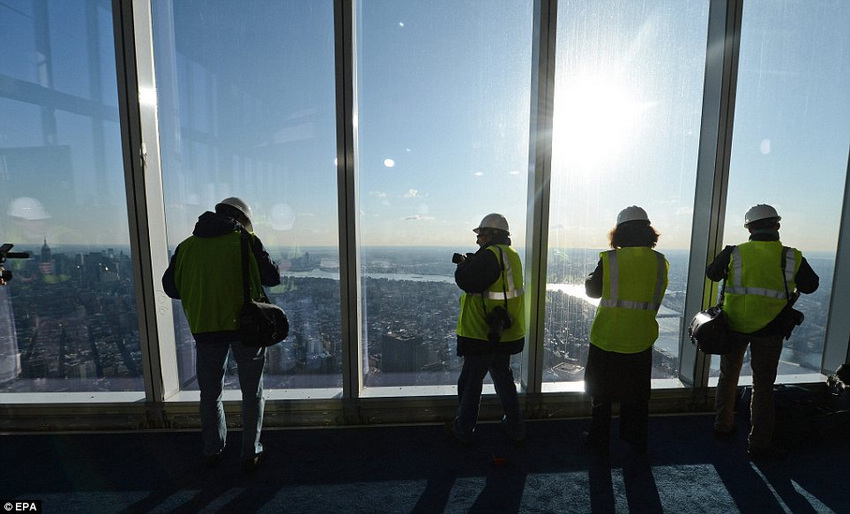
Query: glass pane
x=628, y=95
x=246, y=101
x=68, y=317
x=443, y=109
x=792, y=132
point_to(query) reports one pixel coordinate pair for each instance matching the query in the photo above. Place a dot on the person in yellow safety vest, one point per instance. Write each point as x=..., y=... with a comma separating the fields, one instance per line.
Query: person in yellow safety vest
x=630, y=281
x=761, y=277
x=490, y=327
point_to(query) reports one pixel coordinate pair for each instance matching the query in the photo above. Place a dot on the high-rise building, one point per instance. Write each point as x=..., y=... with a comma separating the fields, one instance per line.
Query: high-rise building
x=402, y=352
x=10, y=361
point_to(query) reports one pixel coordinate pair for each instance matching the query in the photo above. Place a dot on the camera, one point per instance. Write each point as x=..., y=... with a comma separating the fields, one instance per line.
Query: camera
x=498, y=320
x=6, y=276
x=840, y=380
x=457, y=258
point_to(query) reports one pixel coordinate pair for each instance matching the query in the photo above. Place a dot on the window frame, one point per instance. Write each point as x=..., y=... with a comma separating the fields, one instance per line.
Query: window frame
x=166, y=405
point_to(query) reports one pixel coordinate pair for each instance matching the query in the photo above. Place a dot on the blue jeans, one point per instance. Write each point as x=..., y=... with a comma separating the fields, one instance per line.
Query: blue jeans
x=475, y=368
x=211, y=364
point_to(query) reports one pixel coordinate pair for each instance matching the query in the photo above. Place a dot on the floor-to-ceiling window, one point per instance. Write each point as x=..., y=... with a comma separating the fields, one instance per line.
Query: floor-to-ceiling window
x=443, y=106
x=246, y=106
x=628, y=92
x=68, y=314
x=790, y=143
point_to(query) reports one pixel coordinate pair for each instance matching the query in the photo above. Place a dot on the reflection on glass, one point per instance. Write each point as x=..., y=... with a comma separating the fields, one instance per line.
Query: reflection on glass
x=628, y=93
x=443, y=109
x=792, y=132
x=68, y=316
x=246, y=108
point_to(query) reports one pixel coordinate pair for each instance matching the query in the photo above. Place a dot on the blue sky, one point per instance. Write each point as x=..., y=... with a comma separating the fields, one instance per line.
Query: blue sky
x=792, y=124
x=247, y=107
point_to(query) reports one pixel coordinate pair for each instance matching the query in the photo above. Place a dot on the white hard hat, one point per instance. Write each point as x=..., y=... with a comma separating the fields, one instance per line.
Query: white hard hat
x=761, y=211
x=241, y=206
x=632, y=213
x=493, y=220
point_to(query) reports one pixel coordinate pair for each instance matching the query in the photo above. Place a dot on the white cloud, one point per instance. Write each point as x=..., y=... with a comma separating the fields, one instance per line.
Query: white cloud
x=412, y=193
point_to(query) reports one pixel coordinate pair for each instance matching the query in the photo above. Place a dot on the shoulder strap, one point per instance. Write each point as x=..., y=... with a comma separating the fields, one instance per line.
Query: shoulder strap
x=789, y=296
x=725, y=278
x=722, y=292
x=246, y=286
x=502, y=258
x=784, y=279
x=732, y=249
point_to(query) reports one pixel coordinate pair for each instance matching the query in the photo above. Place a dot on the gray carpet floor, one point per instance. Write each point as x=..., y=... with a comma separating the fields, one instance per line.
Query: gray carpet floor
x=418, y=469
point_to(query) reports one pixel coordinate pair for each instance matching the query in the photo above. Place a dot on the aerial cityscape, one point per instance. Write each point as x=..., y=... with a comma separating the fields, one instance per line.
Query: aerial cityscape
x=68, y=321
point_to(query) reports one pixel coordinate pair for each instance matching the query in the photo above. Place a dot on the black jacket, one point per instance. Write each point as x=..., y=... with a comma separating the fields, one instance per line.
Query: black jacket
x=210, y=226
x=475, y=275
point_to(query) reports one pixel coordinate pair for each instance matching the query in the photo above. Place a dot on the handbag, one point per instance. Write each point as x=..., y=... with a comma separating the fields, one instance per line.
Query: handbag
x=261, y=323
x=709, y=329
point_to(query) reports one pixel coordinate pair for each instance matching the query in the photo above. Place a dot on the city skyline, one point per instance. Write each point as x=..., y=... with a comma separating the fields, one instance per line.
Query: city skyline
x=409, y=313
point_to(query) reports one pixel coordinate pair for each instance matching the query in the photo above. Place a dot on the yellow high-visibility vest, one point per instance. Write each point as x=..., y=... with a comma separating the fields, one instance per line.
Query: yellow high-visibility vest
x=471, y=321
x=633, y=283
x=755, y=284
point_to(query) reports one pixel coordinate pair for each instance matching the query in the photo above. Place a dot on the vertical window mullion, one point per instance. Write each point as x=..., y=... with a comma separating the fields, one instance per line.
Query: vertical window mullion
x=836, y=349
x=724, y=28
x=144, y=198
x=347, y=192
x=540, y=163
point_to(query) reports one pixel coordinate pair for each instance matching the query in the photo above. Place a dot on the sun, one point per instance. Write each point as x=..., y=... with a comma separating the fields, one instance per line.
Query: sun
x=594, y=121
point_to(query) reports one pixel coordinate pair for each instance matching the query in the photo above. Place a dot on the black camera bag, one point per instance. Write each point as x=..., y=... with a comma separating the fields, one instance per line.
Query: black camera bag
x=709, y=330
x=499, y=319
x=261, y=323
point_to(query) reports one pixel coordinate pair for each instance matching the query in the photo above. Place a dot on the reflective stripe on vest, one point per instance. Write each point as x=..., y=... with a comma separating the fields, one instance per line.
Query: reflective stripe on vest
x=737, y=272
x=510, y=290
x=755, y=290
x=472, y=319
x=615, y=301
x=631, y=297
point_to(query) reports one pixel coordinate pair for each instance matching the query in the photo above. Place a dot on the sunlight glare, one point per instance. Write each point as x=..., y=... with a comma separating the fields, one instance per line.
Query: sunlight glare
x=594, y=121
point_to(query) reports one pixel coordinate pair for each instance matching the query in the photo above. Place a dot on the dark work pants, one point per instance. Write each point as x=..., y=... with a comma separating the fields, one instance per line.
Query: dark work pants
x=634, y=422
x=765, y=353
x=469, y=384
